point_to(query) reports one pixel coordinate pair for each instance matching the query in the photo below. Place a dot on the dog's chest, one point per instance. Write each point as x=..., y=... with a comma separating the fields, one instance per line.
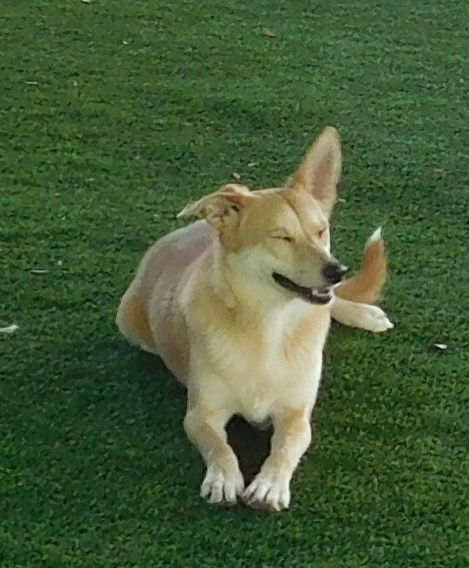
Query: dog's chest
x=275, y=365
x=258, y=392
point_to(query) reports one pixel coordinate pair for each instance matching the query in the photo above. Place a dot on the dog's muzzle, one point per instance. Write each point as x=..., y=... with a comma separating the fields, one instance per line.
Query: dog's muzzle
x=316, y=295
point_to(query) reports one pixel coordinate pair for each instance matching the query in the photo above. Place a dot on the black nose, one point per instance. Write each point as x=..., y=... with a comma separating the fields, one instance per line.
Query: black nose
x=334, y=272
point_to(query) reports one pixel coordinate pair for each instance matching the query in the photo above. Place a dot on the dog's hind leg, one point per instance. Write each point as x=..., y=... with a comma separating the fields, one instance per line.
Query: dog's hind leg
x=132, y=321
x=362, y=316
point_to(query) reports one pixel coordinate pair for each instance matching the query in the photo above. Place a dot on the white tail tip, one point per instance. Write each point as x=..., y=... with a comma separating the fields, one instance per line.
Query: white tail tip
x=376, y=236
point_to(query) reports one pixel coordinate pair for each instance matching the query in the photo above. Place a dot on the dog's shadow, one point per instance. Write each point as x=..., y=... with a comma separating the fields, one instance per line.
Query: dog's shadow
x=250, y=444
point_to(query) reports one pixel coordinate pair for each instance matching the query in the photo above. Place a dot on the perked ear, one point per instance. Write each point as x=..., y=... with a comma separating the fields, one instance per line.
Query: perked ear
x=221, y=207
x=320, y=170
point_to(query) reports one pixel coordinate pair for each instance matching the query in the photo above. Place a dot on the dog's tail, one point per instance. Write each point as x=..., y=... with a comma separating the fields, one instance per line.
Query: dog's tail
x=366, y=286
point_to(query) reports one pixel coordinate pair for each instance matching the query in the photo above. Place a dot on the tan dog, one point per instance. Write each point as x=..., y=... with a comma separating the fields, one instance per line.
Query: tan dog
x=238, y=306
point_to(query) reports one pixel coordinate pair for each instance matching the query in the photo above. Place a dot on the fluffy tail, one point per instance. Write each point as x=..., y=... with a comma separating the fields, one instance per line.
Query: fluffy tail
x=366, y=286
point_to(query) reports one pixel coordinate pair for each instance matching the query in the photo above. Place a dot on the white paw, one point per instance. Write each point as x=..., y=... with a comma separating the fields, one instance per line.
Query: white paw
x=220, y=486
x=268, y=492
x=374, y=319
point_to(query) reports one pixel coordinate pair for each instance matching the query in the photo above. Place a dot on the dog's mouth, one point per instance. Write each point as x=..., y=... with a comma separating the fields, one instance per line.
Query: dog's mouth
x=316, y=295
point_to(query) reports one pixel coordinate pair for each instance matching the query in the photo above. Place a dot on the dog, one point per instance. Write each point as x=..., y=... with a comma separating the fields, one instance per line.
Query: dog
x=238, y=306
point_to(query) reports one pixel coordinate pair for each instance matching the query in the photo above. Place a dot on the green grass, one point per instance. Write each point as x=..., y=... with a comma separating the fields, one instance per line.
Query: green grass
x=138, y=106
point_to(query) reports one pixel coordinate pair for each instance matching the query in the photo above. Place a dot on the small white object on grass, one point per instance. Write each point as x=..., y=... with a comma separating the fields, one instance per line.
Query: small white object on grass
x=441, y=346
x=9, y=328
x=268, y=32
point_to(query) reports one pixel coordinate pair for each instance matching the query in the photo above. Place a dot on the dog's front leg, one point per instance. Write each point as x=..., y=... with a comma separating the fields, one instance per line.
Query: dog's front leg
x=270, y=489
x=363, y=316
x=206, y=430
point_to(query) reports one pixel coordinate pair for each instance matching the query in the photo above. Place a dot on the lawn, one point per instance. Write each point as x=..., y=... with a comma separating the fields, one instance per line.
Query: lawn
x=113, y=115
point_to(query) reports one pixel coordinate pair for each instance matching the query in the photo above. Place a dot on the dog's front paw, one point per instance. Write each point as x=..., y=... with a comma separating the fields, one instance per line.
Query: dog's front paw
x=268, y=491
x=222, y=486
x=374, y=319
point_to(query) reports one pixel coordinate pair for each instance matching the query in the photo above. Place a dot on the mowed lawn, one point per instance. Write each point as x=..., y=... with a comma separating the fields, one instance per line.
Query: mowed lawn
x=113, y=115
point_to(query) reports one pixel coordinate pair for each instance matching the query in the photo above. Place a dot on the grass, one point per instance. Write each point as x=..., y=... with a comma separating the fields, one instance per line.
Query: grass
x=113, y=115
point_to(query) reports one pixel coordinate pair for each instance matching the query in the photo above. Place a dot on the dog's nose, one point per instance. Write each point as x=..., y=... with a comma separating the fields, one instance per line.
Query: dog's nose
x=334, y=272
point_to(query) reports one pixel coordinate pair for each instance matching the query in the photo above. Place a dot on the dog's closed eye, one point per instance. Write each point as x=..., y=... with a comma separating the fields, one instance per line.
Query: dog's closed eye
x=282, y=236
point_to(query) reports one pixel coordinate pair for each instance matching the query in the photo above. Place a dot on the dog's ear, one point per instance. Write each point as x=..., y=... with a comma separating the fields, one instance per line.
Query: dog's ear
x=221, y=207
x=320, y=170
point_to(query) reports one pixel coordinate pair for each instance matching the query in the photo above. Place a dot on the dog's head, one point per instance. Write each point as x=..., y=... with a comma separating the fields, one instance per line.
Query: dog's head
x=282, y=234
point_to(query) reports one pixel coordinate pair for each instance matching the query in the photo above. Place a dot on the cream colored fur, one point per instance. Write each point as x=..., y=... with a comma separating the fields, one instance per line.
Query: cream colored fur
x=204, y=300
